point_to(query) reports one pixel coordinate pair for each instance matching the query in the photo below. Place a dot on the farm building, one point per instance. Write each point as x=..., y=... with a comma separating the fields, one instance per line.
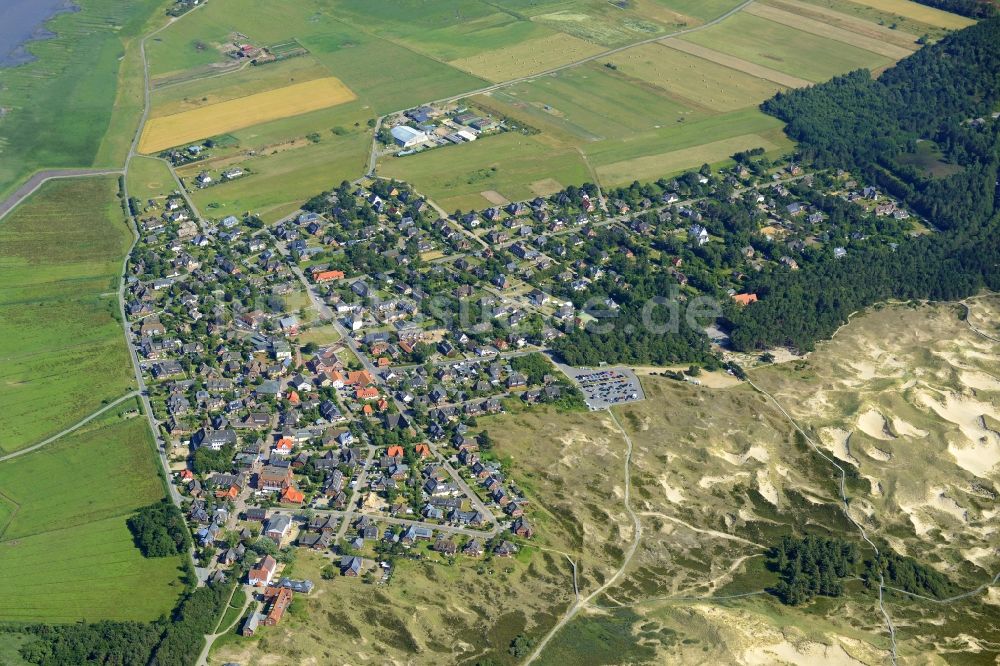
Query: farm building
x=406, y=136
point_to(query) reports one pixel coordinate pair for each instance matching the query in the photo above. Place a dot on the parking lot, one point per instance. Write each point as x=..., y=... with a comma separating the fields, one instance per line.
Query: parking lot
x=605, y=387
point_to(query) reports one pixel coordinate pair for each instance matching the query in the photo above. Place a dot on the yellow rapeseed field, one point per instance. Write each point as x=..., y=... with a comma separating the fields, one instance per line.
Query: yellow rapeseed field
x=234, y=114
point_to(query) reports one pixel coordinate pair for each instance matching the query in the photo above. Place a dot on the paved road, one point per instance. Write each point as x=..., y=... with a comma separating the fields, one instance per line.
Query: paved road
x=70, y=429
x=521, y=79
x=41, y=177
x=406, y=522
x=220, y=631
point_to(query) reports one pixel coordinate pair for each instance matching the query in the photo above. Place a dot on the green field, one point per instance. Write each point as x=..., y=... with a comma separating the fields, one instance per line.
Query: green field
x=785, y=49
x=592, y=103
x=59, y=107
x=68, y=546
x=149, y=178
x=282, y=182
x=386, y=76
x=62, y=350
x=509, y=163
x=688, y=77
x=193, y=94
x=651, y=167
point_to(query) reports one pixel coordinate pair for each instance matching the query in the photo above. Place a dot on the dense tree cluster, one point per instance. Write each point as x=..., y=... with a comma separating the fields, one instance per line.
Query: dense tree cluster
x=159, y=530
x=207, y=460
x=972, y=8
x=813, y=566
x=907, y=574
x=167, y=642
x=860, y=123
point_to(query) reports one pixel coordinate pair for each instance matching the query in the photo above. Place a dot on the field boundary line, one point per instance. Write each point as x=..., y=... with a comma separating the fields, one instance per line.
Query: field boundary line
x=75, y=426
x=39, y=178
x=597, y=56
x=13, y=514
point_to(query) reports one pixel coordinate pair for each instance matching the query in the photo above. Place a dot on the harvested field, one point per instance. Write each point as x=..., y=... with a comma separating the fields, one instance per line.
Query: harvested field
x=527, y=58
x=293, y=100
x=740, y=65
x=814, y=27
x=855, y=24
x=714, y=85
x=918, y=12
x=785, y=49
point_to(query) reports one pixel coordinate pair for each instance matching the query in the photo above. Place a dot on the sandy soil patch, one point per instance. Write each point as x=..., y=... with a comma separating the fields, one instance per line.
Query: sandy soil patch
x=494, y=197
x=546, y=187
x=838, y=441
x=873, y=424
x=904, y=429
x=766, y=488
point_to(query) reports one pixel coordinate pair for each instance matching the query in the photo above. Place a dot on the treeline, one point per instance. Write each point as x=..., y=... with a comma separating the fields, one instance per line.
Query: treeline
x=176, y=641
x=629, y=326
x=977, y=9
x=855, y=121
x=159, y=530
x=907, y=574
x=796, y=308
x=813, y=566
x=860, y=123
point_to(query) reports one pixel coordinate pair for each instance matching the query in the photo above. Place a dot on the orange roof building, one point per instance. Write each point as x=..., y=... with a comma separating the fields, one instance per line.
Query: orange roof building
x=326, y=276
x=293, y=397
x=383, y=361
x=745, y=299
x=285, y=445
x=367, y=410
x=360, y=378
x=231, y=493
x=395, y=451
x=422, y=450
x=369, y=393
x=280, y=599
x=292, y=495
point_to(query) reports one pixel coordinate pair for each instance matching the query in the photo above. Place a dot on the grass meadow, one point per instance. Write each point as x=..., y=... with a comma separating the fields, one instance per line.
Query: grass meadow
x=234, y=114
x=197, y=93
x=68, y=545
x=149, y=178
x=281, y=182
x=785, y=49
x=701, y=83
x=60, y=108
x=62, y=350
x=508, y=163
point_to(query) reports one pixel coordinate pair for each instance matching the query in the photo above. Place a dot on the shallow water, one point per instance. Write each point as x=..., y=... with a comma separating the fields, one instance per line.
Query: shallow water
x=22, y=21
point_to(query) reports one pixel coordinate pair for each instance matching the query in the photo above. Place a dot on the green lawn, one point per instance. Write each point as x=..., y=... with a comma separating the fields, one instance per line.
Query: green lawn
x=785, y=49
x=91, y=474
x=60, y=107
x=280, y=183
x=593, y=103
x=149, y=178
x=510, y=163
x=69, y=546
x=62, y=350
x=677, y=136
